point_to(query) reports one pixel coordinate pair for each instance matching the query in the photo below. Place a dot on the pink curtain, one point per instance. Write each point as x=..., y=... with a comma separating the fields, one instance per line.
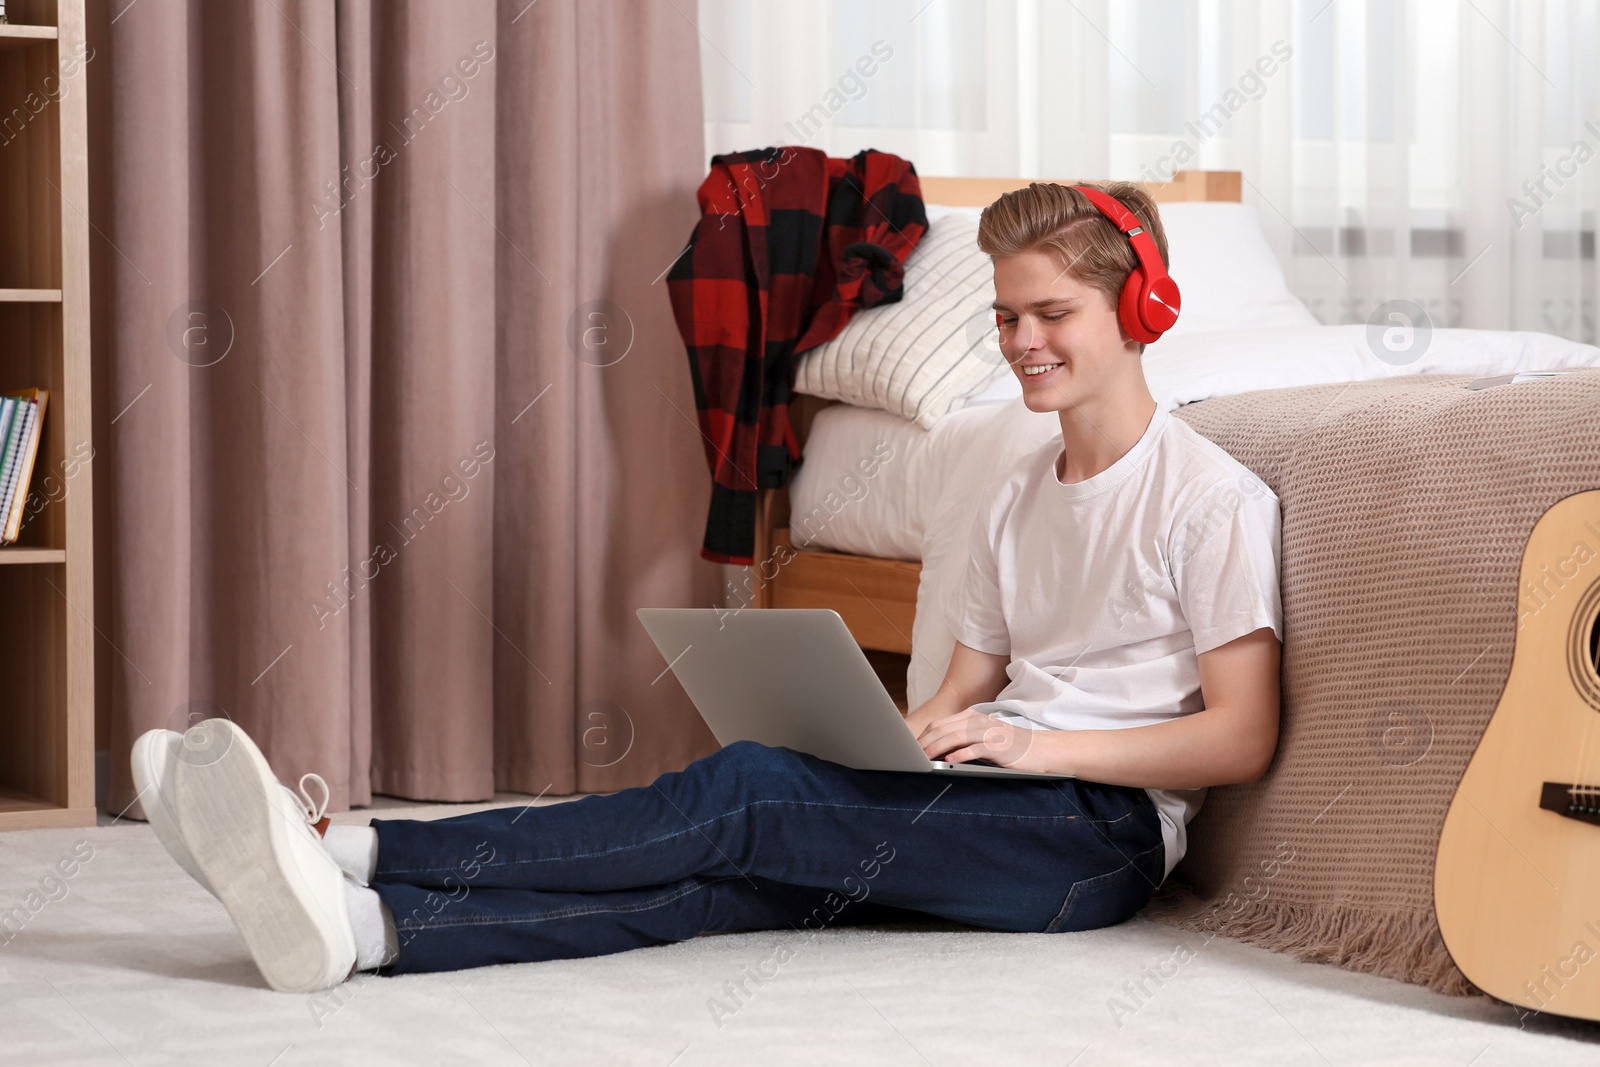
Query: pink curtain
x=393, y=425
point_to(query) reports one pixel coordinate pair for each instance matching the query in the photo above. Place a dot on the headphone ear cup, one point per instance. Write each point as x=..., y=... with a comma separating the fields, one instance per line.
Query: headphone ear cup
x=1128, y=309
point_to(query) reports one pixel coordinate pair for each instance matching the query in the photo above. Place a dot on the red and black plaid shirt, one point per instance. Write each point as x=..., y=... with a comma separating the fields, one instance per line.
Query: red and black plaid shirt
x=789, y=244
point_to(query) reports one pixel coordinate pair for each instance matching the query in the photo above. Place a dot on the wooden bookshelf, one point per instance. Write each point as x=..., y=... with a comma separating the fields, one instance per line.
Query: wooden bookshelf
x=47, y=577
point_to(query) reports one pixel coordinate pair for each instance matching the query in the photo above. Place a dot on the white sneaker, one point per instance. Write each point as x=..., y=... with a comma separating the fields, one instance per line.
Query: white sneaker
x=249, y=836
x=155, y=753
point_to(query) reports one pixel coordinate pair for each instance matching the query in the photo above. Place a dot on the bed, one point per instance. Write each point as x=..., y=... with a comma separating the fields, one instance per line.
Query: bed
x=1314, y=410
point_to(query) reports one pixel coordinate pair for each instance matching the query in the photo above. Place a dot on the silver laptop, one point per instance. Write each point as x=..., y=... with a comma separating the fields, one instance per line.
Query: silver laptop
x=793, y=678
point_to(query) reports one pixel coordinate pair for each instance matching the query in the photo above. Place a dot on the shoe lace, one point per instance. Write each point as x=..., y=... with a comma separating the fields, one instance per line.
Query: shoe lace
x=314, y=810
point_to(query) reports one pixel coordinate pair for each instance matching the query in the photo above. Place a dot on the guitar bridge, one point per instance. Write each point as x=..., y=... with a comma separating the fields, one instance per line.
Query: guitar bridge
x=1580, y=802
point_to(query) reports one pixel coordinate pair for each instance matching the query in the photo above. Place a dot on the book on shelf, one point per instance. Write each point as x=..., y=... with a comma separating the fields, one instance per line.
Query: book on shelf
x=21, y=420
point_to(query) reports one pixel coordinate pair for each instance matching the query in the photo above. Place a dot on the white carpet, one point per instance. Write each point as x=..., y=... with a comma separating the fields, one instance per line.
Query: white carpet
x=136, y=965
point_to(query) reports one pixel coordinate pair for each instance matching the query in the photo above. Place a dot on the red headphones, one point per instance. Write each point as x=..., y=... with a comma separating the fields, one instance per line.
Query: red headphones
x=1150, y=300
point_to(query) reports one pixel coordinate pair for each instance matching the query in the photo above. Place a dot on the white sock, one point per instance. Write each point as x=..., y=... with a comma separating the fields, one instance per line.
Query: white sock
x=354, y=849
x=377, y=942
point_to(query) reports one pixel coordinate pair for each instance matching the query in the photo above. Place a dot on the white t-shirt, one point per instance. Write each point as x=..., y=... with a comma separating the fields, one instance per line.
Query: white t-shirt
x=1103, y=592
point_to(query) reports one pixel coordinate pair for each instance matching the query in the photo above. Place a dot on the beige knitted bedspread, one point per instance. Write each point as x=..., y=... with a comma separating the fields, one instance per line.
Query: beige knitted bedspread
x=1406, y=507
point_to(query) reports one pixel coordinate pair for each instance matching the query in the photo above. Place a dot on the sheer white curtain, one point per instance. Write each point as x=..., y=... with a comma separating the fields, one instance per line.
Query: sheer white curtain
x=1440, y=152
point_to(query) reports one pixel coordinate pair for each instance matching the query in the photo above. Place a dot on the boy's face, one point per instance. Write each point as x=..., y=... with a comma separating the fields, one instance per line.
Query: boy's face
x=1050, y=319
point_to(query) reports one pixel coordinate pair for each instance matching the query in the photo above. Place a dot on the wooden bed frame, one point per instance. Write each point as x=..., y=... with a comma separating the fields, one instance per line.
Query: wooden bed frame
x=877, y=598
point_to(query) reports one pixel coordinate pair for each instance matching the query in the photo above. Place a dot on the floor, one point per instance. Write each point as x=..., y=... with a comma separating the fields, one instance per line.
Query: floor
x=128, y=962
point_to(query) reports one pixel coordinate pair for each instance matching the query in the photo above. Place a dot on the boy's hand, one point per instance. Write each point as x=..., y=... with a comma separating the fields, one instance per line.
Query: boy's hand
x=969, y=735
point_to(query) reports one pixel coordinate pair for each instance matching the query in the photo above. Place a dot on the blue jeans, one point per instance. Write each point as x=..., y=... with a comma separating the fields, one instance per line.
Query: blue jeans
x=756, y=838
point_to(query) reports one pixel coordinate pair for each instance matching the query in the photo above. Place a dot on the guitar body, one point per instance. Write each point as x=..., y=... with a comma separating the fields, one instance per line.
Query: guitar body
x=1517, y=878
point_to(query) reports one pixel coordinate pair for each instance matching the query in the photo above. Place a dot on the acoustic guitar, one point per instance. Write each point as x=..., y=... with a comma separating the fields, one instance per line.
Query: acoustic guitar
x=1517, y=880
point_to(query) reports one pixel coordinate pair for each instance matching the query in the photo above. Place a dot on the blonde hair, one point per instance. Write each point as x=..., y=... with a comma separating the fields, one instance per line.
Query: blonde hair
x=1059, y=219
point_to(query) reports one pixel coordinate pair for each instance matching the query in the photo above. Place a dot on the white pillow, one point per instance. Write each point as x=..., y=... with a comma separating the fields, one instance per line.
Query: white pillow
x=1226, y=272
x=927, y=354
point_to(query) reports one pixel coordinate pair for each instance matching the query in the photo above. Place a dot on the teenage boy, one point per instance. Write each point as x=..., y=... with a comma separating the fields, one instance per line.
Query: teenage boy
x=1119, y=621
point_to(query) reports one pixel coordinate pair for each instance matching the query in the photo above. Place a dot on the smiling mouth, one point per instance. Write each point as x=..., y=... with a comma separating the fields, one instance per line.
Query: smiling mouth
x=1040, y=371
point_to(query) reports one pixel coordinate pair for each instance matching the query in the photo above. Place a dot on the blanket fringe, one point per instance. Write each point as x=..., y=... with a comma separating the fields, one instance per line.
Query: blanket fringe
x=1398, y=945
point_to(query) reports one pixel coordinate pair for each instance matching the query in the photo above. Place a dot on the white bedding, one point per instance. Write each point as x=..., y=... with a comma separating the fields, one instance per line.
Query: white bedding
x=917, y=505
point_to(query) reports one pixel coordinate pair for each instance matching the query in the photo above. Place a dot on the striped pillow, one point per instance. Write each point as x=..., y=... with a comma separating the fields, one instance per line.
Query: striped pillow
x=928, y=354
